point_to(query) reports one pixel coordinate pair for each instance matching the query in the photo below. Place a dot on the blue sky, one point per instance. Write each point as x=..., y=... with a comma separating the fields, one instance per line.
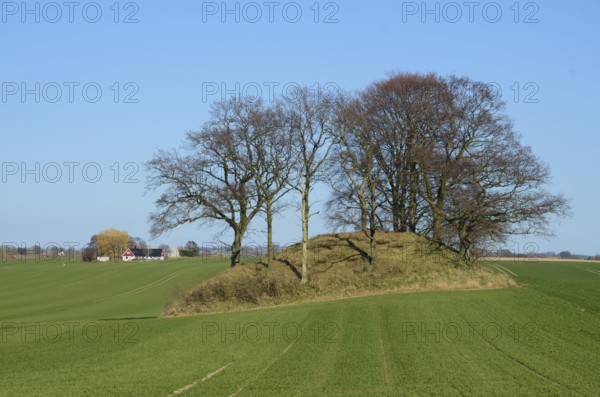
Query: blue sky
x=82, y=93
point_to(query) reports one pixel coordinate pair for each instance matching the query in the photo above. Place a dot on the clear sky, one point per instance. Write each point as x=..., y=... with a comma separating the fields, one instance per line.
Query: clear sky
x=90, y=90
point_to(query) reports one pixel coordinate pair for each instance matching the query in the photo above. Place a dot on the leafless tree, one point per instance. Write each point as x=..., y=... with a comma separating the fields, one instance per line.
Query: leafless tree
x=402, y=115
x=137, y=242
x=412, y=153
x=454, y=169
x=501, y=194
x=214, y=179
x=275, y=155
x=357, y=178
x=309, y=116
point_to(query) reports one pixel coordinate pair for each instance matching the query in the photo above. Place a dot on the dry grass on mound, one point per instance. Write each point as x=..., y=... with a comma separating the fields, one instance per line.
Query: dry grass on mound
x=338, y=267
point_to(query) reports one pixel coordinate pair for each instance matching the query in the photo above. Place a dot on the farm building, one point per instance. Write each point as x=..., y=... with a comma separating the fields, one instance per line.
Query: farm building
x=173, y=252
x=132, y=254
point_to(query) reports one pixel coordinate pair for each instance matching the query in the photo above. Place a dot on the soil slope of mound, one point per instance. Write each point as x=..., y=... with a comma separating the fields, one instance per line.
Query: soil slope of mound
x=339, y=267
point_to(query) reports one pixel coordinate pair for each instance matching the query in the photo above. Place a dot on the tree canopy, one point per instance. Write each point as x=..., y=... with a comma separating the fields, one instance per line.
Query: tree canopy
x=437, y=156
x=112, y=243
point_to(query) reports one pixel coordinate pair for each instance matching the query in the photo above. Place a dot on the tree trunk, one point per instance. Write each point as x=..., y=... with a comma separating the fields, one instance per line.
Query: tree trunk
x=465, y=250
x=373, y=247
x=437, y=214
x=464, y=242
x=305, y=214
x=363, y=217
x=402, y=207
x=395, y=210
x=236, y=248
x=437, y=226
x=412, y=206
x=412, y=213
x=269, y=211
x=373, y=223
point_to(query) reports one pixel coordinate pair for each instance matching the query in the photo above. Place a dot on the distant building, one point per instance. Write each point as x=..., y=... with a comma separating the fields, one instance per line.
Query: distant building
x=103, y=259
x=174, y=252
x=132, y=254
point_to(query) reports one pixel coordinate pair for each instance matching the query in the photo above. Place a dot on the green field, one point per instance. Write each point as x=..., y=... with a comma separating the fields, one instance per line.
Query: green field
x=84, y=329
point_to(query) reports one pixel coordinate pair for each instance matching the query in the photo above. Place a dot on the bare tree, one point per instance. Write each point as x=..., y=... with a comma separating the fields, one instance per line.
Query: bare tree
x=89, y=252
x=454, y=169
x=309, y=116
x=502, y=194
x=357, y=178
x=166, y=249
x=402, y=114
x=215, y=180
x=138, y=242
x=413, y=153
x=274, y=161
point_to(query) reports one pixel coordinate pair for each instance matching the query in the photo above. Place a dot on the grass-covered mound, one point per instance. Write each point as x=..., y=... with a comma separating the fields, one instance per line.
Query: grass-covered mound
x=339, y=267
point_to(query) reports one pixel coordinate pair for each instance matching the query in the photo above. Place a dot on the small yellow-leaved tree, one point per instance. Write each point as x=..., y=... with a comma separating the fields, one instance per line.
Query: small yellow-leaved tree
x=112, y=243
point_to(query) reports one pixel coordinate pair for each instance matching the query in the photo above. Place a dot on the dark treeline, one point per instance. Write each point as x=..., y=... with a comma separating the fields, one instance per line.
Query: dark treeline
x=431, y=155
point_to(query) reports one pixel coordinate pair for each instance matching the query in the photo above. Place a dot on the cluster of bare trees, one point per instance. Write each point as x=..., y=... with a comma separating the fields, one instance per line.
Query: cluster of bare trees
x=415, y=153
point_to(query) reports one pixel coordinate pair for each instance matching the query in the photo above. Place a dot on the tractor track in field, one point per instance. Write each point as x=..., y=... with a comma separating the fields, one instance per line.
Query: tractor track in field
x=496, y=268
x=194, y=384
x=531, y=369
x=244, y=385
x=504, y=270
x=596, y=272
x=79, y=282
x=146, y=287
x=262, y=371
x=384, y=359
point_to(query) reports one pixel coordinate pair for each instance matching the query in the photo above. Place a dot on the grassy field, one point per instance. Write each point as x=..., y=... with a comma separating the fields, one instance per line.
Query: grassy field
x=93, y=330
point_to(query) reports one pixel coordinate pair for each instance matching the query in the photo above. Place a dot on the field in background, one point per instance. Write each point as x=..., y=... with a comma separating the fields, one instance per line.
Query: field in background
x=58, y=290
x=84, y=329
